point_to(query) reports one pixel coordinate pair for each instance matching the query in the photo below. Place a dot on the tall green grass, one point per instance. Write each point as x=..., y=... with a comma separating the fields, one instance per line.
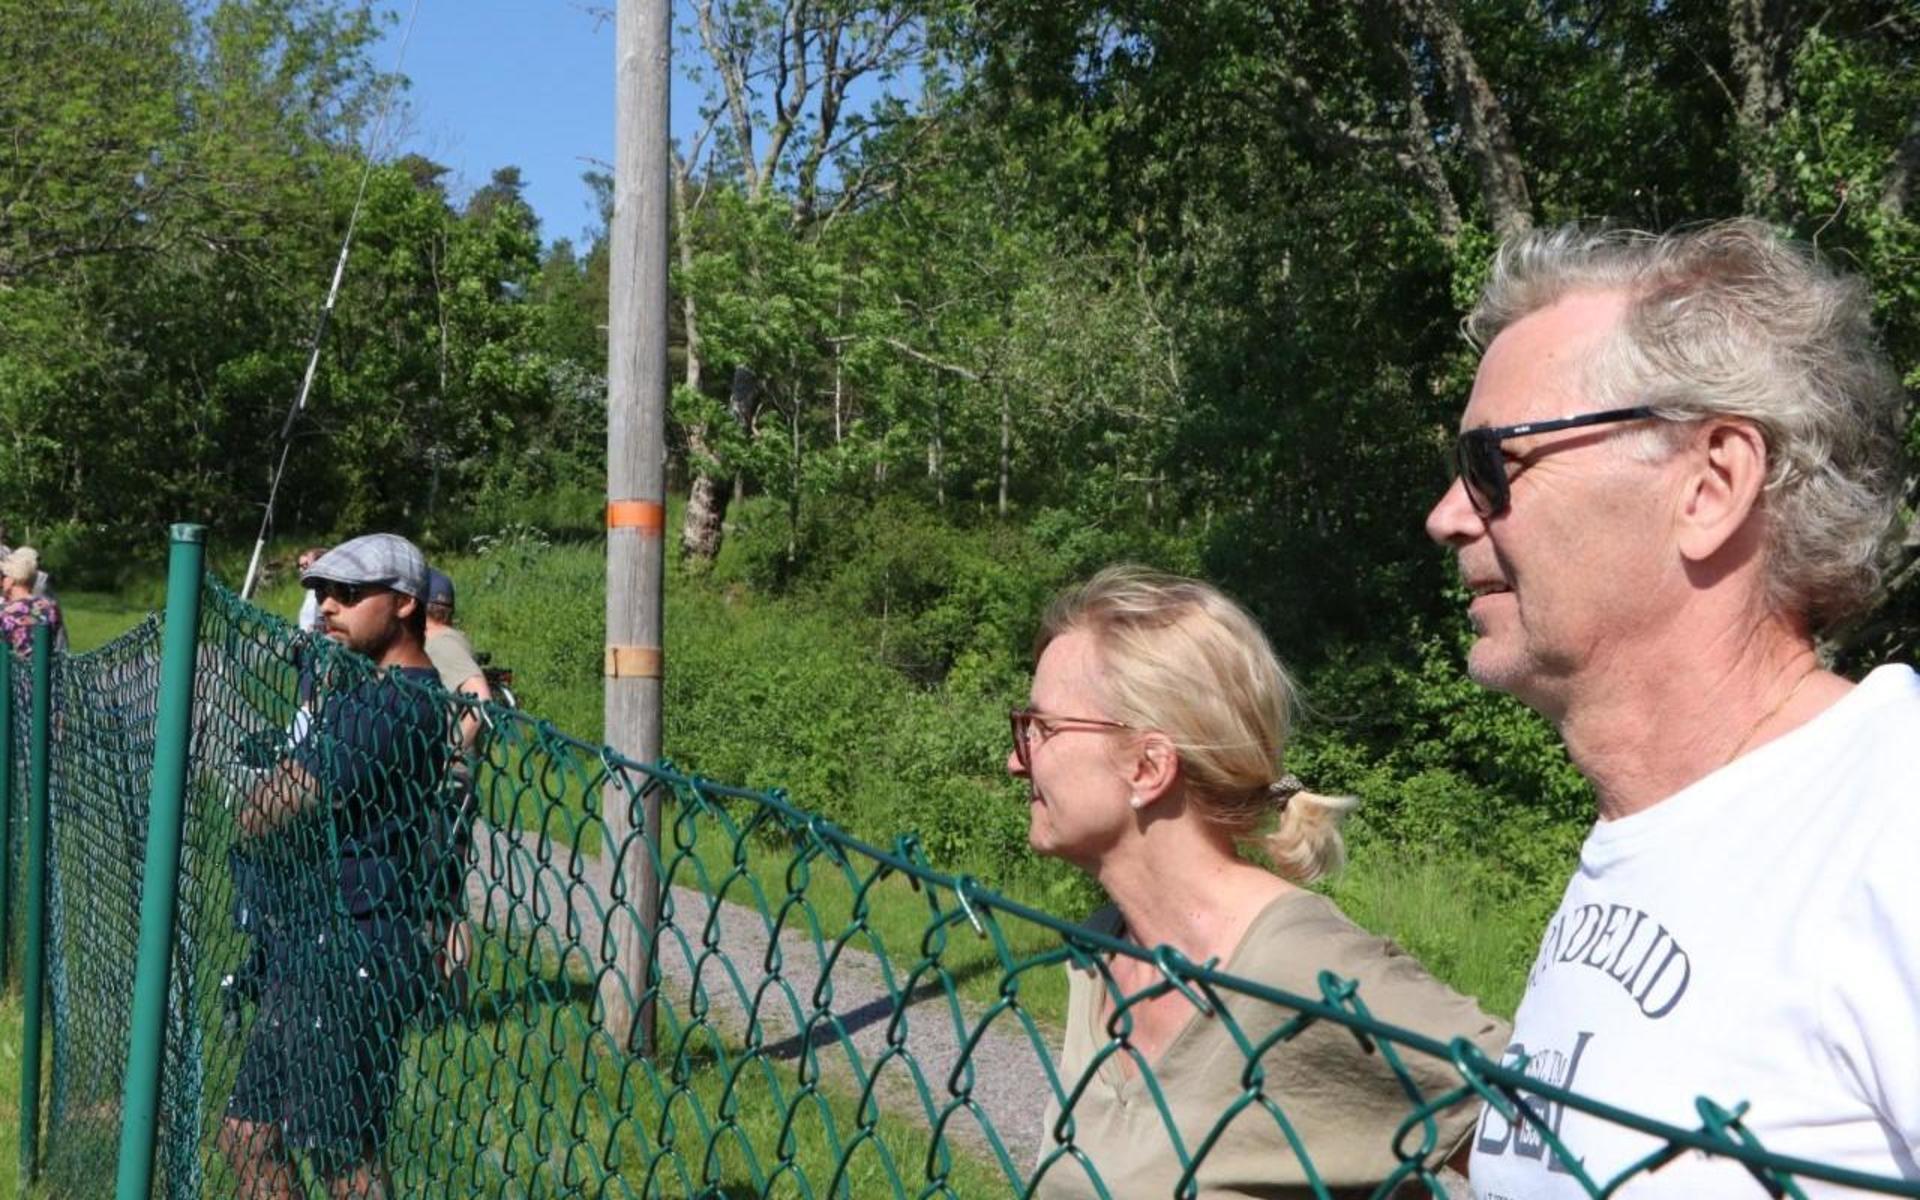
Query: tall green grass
x=12, y=1026
x=95, y=618
x=1442, y=913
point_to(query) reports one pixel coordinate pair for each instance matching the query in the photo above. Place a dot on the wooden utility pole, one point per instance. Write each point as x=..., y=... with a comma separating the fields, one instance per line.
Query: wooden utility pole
x=636, y=496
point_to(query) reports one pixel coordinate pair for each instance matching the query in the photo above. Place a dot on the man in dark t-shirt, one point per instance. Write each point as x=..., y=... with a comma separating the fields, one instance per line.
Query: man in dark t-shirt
x=334, y=865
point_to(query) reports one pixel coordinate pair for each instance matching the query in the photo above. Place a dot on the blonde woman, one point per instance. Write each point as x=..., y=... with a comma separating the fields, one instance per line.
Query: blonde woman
x=1152, y=749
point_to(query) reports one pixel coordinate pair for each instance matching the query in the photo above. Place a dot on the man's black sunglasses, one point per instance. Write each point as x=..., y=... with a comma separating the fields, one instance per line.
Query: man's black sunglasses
x=1483, y=469
x=345, y=594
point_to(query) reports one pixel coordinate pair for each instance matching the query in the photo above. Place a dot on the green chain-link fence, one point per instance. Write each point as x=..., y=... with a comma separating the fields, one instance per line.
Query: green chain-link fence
x=394, y=903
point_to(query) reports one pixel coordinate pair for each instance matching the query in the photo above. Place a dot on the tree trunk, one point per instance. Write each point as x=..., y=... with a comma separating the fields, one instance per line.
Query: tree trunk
x=1416, y=156
x=1902, y=173
x=1760, y=34
x=683, y=243
x=712, y=492
x=936, y=457
x=1006, y=448
x=707, y=499
x=743, y=401
x=1484, y=132
x=707, y=502
x=793, y=484
x=839, y=374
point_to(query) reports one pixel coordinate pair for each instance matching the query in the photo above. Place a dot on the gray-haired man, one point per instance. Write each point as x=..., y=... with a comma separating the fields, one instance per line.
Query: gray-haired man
x=1677, y=467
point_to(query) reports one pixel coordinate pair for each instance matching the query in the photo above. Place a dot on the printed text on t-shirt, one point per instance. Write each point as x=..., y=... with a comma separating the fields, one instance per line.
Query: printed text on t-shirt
x=1634, y=951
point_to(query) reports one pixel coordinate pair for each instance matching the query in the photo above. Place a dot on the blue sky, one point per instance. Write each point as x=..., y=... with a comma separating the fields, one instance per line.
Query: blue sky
x=521, y=82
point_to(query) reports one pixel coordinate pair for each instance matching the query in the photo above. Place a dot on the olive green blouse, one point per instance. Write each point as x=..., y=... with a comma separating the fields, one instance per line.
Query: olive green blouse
x=1343, y=1101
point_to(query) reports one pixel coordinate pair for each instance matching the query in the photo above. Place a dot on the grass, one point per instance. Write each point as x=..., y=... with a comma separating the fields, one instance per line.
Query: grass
x=487, y=1091
x=12, y=1027
x=96, y=618
x=887, y=914
x=541, y=1097
x=529, y=1088
x=1432, y=908
x=748, y=853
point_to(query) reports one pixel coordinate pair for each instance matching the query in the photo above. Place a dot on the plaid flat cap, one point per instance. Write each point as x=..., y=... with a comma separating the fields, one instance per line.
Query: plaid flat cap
x=384, y=559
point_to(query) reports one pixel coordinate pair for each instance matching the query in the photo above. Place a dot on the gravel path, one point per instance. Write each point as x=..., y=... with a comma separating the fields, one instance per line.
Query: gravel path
x=733, y=970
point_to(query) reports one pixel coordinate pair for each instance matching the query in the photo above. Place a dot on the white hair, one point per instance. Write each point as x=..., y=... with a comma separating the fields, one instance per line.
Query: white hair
x=1733, y=319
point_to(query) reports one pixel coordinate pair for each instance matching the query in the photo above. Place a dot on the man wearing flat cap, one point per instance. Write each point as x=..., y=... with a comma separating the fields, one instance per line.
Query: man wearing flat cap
x=322, y=1058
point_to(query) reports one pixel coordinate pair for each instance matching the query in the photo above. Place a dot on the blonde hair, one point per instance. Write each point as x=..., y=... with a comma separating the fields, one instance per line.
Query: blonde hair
x=1178, y=657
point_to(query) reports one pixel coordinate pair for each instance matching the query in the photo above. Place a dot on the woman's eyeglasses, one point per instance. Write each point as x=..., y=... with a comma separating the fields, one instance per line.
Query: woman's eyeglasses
x=1481, y=466
x=346, y=595
x=1031, y=727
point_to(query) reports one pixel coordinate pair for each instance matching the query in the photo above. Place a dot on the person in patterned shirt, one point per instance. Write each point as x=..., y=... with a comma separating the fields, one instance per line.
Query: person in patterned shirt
x=23, y=609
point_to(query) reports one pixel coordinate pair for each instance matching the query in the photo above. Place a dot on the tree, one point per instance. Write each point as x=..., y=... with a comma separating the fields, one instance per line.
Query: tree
x=782, y=85
x=166, y=184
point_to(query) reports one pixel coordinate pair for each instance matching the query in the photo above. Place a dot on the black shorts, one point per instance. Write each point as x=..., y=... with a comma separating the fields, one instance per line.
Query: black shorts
x=322, y=1059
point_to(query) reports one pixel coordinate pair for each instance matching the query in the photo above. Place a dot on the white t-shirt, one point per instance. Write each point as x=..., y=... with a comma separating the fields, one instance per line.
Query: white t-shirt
x=1755, y=937
x=309, y=618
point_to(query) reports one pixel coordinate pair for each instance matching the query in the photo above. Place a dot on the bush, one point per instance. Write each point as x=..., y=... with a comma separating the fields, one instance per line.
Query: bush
x=937, y=594
x=83, y=557
x=574, y=509
x=1444, y=767
x=541, y=610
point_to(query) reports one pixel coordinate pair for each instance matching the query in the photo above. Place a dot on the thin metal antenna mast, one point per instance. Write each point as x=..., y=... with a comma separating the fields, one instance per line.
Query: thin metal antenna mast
x=326, y=311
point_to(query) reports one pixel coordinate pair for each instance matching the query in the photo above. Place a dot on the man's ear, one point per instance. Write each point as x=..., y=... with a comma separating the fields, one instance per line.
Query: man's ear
x=1726, y=473
x=1155, y=767
x=408, y=604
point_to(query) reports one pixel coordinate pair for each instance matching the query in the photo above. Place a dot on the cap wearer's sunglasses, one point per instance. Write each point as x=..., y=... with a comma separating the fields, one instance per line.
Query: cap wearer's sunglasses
x=345, y=594
x=1030, y=726
x=1481, y=466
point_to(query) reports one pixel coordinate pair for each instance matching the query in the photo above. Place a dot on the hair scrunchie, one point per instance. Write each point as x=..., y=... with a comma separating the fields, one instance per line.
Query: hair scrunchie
x=1284, y=789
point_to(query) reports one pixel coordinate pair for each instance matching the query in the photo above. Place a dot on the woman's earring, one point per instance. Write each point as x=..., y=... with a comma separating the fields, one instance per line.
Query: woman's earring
x=1136, y=800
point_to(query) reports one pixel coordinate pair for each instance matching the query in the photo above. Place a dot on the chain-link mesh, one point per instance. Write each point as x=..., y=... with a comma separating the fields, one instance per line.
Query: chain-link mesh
x=103, y=724
x=14, y=845
x=399, y=960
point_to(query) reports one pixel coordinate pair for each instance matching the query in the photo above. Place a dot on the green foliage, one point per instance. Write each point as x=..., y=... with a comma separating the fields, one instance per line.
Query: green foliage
x=12, y=1023
x=93, y=619
x=541, y=610
x=941, y=599
x=1189, y=272
x=1449, y=911
x=1445, y=767
x=775, y=692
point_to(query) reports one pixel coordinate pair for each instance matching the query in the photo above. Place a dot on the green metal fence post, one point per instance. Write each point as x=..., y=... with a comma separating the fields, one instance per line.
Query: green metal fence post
x=34, y=972
x=159, y=879
x=6, y=812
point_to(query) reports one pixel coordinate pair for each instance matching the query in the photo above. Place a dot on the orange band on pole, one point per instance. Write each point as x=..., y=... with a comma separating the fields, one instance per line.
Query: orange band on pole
x=633, y=662
x=648, y=516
